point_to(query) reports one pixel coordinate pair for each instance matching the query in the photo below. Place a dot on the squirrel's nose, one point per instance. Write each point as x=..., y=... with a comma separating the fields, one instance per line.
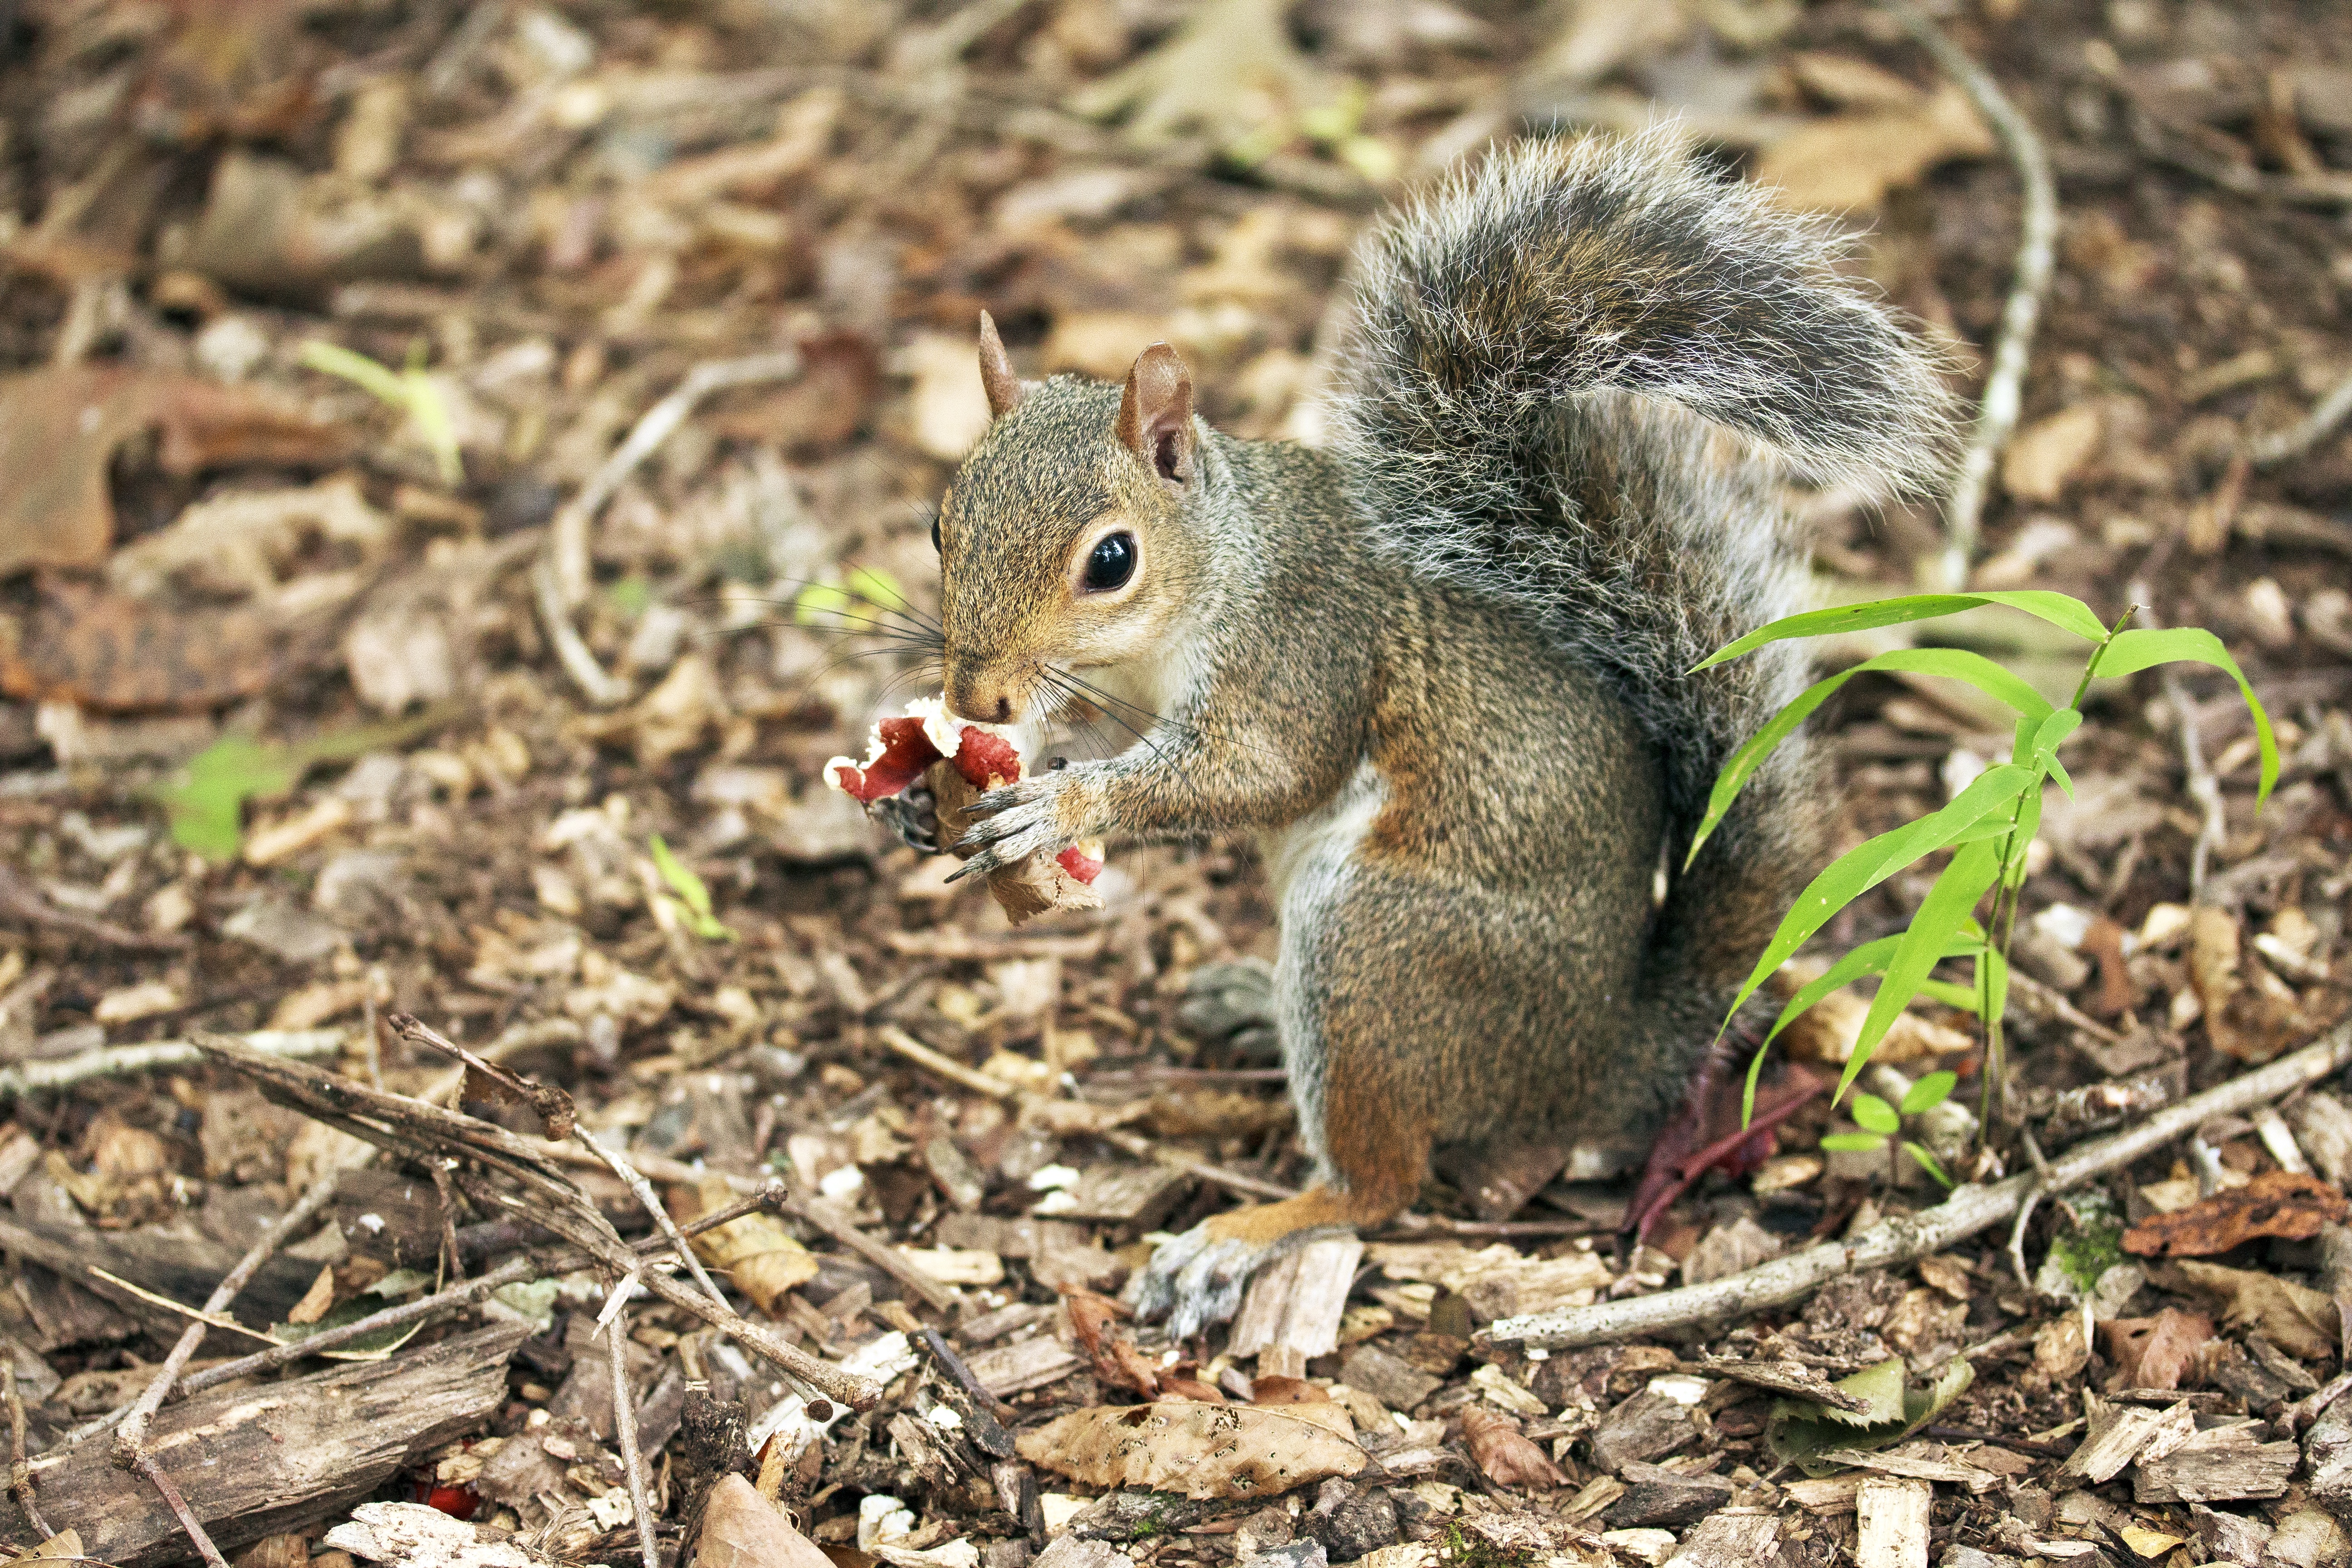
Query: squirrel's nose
x=980, y=701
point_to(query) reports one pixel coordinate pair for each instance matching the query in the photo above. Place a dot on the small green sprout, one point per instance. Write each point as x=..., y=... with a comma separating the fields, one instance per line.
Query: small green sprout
x=409, y=389
x=692, y=903
x=1880, y=1121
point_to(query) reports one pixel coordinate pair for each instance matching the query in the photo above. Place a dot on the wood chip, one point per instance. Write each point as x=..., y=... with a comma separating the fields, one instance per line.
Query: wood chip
x=1293, y=1306
x=1030, y=1363
x=1891, y=1517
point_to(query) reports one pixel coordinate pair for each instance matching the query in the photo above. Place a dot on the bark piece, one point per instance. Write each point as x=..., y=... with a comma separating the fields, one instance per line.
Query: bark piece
x=1394, y=1382
x=1731, y=1537
x=1892, y=1519
x=1137, y=1195
x=1650, y=1425
x=255, y=1462
x=412, y=1535
x=2217, y=1466
x=1203, y=1450
x=2118, y=1433
x=1293, y=1306
x=1352, y=1521
x=1657, y=1496
x=1029, y=1364
x=2229, y=1537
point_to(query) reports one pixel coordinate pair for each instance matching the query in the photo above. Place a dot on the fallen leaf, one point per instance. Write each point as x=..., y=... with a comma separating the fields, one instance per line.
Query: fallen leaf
x=59, y=429
x=2249, y=1013
x=741, y=1528
x=1202, y=1450
x=1509, y=1458
x=112, y=653
x=760, y=1256
x=2153, y=1352
x=2296, y=1318
x=1798, y=1432
x=65, y=1543
x=1849, y=161
x=2289, y=1203
x=2048, y=452
x=1116, y=1360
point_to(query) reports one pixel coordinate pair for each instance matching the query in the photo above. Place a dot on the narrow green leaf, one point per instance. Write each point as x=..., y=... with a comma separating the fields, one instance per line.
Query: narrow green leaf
x=1996, y=969
x=334, y=359
x=693, y=897
x=2070, y=615
x=877, y=587
x=1927, y=1163
x=1955, y=664
x=1949, y=902
x=1867, y=864
x=2132, y=652
x=1929, y=1091
x=2058, y=771
x=2054, y=730
x=1853, y=1142
x=2029, y=823
x=815, y=602
x=1950, y=993
x=430, y=411
x=1873, y=1114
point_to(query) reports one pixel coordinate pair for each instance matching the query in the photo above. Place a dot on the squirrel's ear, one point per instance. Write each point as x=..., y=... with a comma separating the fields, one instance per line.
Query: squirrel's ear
x=1155, y=413
x=996, y=371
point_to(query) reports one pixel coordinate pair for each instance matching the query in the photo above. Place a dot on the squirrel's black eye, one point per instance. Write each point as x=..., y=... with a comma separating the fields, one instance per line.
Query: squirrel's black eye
x=935, y=537
x=1112, y=562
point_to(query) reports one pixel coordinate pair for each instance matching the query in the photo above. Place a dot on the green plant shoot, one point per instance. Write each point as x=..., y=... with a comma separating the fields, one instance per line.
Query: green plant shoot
x=1880, y=1121
x=409, y=389
x=1987, y=826
x=692, y=903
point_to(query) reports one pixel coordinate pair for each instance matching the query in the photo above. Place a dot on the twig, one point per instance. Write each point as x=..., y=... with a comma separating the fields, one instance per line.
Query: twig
x=2025, y=1209
x=122, y=1061
x=148, y=1467
x=842, y=1229
x=1894, y=1242
x=2036, y=249
x=2203, y=788
x=624, y=1426
x=652, y=1203
x=20, y=1471
x=561, y=577
x=2299, y=1416
x=954, y=1072
x=21, y=898
x=548, y=1198
x=2284, y=445
x=131, y=1439
x=448, y=1196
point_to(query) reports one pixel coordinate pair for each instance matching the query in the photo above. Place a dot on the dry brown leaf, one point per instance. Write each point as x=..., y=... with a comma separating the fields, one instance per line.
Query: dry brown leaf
x=2296, y=1318
x=2048, y=452
x=1116, y=1360
x=1850, y=160
x=2289, y=1203
x=1204, y=1451
x=2250, y=1014
x=59, y=429
x=741, y=1528
x=761, y=1257
x=2152, y=1353
x=109, y=652
x=1509, y=1457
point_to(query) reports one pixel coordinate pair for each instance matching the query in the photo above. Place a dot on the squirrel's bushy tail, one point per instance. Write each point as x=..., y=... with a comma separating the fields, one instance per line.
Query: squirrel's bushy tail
x=1532, y=340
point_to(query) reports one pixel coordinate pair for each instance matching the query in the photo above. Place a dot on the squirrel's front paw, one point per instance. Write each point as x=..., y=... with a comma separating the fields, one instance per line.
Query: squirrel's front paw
x=1046, y=813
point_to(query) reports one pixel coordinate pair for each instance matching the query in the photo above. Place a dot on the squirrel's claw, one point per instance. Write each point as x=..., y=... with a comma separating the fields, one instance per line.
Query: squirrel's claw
x=1196, y=1279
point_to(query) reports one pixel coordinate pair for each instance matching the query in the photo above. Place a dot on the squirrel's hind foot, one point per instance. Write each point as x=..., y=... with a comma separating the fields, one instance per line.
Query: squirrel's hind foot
x=1196, y=1278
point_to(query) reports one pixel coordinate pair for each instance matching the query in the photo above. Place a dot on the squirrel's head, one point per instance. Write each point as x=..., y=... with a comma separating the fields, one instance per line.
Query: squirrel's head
x=1061, y=539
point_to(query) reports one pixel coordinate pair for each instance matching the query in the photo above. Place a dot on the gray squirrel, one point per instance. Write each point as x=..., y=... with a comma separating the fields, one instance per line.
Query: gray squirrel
x=1442, y=669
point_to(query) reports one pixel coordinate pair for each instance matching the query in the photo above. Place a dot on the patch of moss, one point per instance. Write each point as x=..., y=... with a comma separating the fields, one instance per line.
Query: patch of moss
x=2095, y=1244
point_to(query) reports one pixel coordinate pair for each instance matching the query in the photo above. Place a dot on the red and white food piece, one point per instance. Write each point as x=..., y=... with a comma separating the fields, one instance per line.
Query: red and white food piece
x=900, y=751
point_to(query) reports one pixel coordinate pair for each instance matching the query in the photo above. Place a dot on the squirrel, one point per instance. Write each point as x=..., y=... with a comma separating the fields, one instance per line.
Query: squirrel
x=1442, y=667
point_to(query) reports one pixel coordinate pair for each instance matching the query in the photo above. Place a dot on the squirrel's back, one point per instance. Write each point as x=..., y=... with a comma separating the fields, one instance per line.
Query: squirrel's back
x=1576, y=379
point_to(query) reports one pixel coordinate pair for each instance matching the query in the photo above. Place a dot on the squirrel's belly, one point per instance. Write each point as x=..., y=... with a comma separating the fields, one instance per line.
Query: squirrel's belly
x=1319, y=844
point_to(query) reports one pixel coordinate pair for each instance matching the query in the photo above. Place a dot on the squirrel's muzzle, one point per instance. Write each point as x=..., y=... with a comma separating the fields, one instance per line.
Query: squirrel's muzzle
x=982, y=697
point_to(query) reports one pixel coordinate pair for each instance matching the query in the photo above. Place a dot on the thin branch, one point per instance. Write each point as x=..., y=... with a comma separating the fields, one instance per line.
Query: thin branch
x=448, y=1196
x=20, y=1470
x=2036, y=252
x=2203, y=788
x=147, y=1467
x=1894, y=1242
x=624, y=1426
x=652, y=1203
x=560, y=579
x=122, y=1061
x=2284, y=446
x=129, y=1441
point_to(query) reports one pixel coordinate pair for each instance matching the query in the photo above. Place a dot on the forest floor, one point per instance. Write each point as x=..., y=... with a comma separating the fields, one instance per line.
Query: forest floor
x=355, y=696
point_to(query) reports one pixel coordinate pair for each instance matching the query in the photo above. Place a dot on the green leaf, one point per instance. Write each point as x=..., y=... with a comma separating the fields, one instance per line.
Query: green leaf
x=1863, y=867
x=1854, y=1143
x=1930, y=1093
x=631, y=595
x=206, y=804
x=356, y=368
x=2054, y=730
x=1799, y=1430
x=693, y=897
x=876, y=586
x=1954, y=664
x=2067, y=614
x=2132, y=652
x=1949, y=902
x=1927, y=1163
x=1873, y=1114
x=367, y=1347
x=813, y=604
